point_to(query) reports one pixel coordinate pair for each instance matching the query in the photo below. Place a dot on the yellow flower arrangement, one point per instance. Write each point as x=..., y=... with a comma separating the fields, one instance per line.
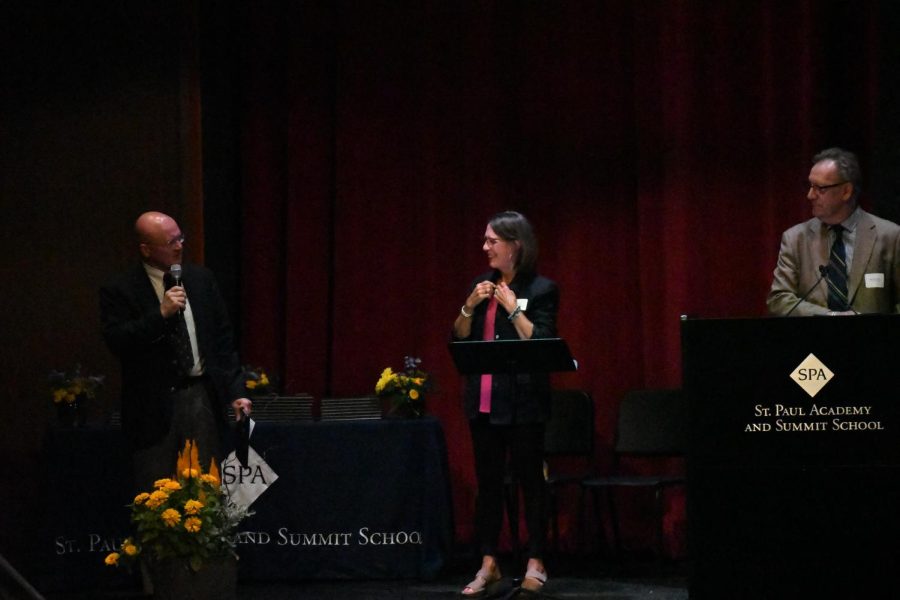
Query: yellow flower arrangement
x=406, y=389
x=186, y=516
x=257, y=381
x=69, y=387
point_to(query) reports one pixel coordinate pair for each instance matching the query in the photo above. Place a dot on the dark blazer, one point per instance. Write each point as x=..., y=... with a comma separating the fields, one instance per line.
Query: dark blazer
x=874, y=284
x=135, y=331
x=531, y=403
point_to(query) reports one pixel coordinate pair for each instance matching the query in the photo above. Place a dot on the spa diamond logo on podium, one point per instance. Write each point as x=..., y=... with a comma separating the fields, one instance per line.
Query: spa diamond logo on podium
x=812, y=375
x=245, y=483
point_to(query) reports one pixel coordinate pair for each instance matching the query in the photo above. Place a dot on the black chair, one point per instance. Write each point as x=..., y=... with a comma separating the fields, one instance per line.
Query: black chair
x=568, y=434
x=651, y=424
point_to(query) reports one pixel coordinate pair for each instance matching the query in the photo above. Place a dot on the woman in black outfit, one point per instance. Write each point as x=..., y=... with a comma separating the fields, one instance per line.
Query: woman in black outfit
x=507, y=418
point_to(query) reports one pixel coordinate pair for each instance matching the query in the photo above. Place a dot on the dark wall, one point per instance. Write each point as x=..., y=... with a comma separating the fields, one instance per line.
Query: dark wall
x=95, y=127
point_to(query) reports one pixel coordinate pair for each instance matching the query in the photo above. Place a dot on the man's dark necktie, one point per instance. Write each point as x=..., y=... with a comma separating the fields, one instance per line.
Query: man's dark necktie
x=179, y=337
x=837, y=272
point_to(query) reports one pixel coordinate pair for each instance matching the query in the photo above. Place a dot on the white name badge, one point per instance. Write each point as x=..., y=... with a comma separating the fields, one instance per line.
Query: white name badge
x=523, y=303
x=874, y=280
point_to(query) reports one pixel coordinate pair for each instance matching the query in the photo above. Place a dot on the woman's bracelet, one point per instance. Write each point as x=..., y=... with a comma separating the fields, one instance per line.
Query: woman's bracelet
x=463, y=312
x=515, y=313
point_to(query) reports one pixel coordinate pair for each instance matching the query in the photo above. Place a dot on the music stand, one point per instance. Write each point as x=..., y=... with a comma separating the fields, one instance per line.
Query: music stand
x=544, y=355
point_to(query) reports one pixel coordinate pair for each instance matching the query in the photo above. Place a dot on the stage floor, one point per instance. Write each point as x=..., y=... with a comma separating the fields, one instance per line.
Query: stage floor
x=583, y=578
x=562, y=588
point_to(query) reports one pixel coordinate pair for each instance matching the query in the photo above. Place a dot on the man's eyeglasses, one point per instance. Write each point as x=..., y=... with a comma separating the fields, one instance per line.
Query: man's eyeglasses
x=173, y=242
x=822, y=188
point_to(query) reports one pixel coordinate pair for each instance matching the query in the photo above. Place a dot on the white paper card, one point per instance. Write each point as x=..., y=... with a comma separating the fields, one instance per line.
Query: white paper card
x=522, y=302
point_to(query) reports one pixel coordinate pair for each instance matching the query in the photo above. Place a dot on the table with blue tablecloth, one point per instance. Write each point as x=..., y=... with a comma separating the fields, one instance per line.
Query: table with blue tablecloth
x=352, y=499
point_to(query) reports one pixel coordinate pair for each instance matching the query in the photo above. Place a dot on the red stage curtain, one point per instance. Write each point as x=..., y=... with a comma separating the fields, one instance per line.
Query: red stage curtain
x=659, y=148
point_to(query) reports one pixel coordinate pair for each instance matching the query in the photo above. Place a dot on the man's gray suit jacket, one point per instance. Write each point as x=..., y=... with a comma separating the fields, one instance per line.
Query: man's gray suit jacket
x=873, y=285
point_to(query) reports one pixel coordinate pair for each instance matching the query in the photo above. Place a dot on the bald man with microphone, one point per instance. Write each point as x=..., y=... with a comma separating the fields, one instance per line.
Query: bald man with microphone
x=167, y=323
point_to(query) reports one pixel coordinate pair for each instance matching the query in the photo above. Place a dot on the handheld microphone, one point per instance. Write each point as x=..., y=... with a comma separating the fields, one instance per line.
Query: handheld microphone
x=823, y=273
x=175, y=271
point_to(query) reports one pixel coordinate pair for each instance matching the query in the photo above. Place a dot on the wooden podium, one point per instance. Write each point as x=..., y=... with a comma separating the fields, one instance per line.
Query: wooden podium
x=794, y=457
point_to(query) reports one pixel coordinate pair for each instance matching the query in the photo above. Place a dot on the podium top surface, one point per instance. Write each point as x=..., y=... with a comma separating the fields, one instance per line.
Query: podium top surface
x=544, y=355
x=694, y=319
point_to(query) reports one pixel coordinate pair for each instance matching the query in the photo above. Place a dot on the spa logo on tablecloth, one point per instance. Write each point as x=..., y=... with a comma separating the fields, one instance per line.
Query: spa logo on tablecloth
x=244, y=484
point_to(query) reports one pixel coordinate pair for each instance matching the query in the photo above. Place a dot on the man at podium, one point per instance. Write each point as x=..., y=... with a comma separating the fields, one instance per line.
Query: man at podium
x=843, y=261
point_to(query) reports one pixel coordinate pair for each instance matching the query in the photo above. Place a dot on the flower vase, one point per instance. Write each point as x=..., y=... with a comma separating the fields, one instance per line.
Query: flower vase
x=66, y=413
x=81, y=411
x=72, y=414
x=399, y=407
x=173, y=579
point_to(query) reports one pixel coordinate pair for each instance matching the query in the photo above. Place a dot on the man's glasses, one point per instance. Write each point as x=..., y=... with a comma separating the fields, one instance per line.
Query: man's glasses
x=172, y=243
x=822, y=188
